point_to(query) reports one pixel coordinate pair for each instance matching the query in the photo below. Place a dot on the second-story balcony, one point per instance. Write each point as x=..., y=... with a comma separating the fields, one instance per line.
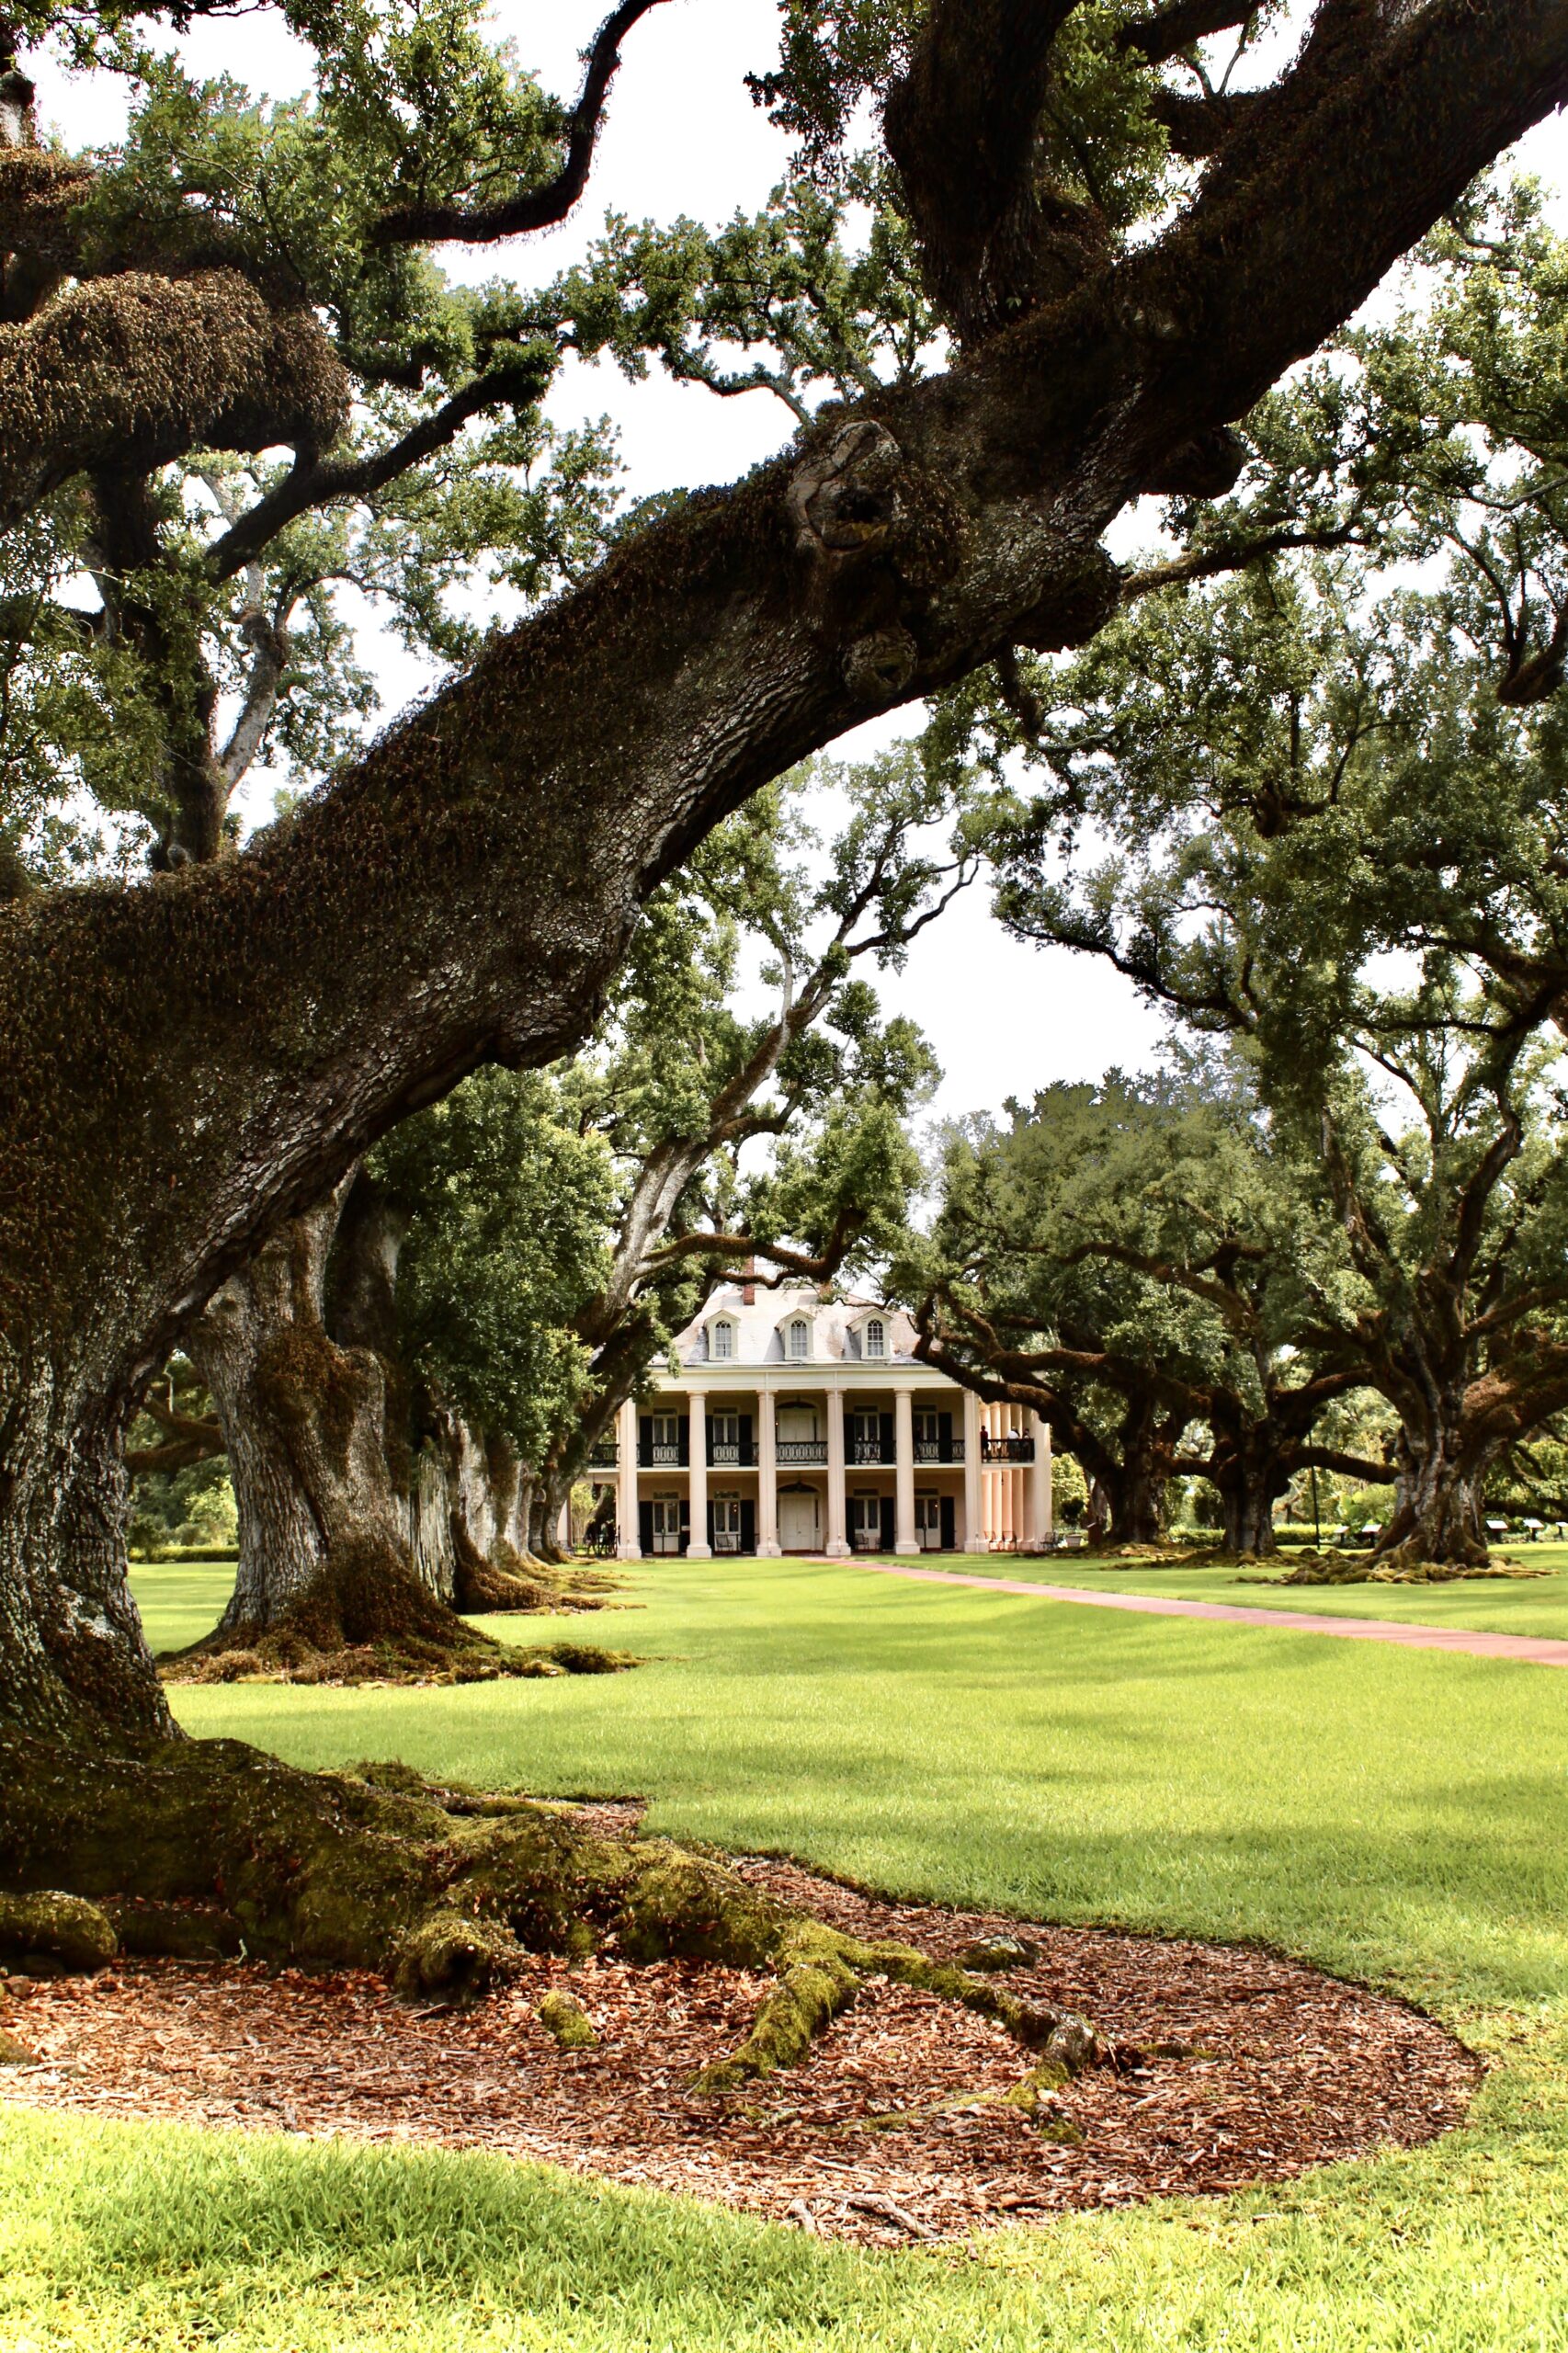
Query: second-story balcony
x=732, y=1454
x=938, y=1450
x=604, y=1454
x=1006, y=1449
x=790, y=1452
x=869, y=1454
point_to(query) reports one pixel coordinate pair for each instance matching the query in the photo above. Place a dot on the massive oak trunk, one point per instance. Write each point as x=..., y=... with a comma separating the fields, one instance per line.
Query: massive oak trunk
x=1250, y=1471
x=1438, y=1498
x=188, y=1064
x=323, y=1541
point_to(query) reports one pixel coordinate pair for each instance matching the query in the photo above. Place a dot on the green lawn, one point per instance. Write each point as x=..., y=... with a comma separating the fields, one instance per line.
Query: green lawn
x=1397, y=1814
x=1531, y=1606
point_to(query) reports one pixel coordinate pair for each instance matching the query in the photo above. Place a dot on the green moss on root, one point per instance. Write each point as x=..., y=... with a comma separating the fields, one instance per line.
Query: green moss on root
x=64, y=1927
x=564, y=2017
x=444, y=1890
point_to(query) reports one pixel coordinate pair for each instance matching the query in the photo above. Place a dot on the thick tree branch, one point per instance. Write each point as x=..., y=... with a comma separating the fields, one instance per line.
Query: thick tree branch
x=184, y=1064
x=1198, y=126
x=421, y=224
x=1170, y=30
x=311, y=482
x=961, y=126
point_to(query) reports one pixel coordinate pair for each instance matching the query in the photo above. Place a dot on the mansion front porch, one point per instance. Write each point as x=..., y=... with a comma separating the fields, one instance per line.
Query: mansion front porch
x=830, y=1471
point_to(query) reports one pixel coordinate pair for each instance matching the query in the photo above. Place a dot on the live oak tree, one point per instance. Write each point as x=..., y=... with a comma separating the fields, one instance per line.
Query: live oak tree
x=191, y=1059
x=471, y=1311
x=776, y=1141
x=1337, y=842
x=1137, y=1263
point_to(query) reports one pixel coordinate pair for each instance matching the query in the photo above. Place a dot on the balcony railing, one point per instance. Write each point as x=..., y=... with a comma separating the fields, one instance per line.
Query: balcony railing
x=661, y=1458
x=869, y=1453
x=730, y=1454
x=938, y=1450
x=1006, y=1449
x=795, y=1451
x=604, y=1454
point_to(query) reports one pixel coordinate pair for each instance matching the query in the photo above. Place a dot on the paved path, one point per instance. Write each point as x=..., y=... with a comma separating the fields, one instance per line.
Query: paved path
x=1541, y=1649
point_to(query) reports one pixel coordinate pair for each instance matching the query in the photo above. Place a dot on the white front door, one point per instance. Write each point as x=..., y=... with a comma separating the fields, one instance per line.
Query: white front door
x=798, y=1522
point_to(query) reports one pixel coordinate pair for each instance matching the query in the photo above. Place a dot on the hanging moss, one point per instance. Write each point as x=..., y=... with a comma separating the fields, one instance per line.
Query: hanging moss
x=156, y=366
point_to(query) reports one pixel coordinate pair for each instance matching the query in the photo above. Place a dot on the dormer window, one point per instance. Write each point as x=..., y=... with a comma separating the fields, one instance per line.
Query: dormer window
x=875, y=1337
x=800, y=1340
x=723, y=1341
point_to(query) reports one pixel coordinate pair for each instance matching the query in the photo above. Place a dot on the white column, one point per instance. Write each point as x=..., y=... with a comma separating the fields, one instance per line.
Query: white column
x=838, y=1543
x=700, y=1548
x=767, y=1545
x=1040, y=1517
x=904, y=1477
x=630, y=1545
x=974, y=1518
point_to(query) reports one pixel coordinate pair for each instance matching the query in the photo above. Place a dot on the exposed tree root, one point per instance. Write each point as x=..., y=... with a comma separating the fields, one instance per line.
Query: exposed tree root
x=283, y=1658
x=370, y=1620
x=442, y=1889
x=488, y=1587
x=1367, y=1568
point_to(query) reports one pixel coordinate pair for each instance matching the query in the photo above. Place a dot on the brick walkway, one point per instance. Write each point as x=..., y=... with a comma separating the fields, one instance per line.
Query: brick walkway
x=1539, y=1648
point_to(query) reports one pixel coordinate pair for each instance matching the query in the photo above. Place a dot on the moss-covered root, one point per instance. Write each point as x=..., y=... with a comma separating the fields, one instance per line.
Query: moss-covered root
x=62, y=1927
x=808, y=1997
x=443, y=1889
x=821, y=1973
x=563, y=2015
x=284, y=1655
x=12, y=2052
x=522, y=1584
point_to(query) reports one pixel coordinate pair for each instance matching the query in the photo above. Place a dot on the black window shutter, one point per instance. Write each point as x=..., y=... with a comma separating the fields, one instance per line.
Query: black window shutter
x=945, y=1440
x=645, y=1526
x=887, y=1524
x=949, y=1527
x=885, y=1425
x=749, y=1527
x=683, y=1438
x=711, y=1528
x=744, y=1432
x=646, y=1441
x=685, y=1526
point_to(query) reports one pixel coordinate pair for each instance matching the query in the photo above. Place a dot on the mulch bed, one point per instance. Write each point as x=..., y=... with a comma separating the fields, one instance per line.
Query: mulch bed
x=872, y=2140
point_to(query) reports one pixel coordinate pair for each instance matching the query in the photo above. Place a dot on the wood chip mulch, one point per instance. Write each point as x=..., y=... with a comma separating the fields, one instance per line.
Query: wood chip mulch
x=881, y=2137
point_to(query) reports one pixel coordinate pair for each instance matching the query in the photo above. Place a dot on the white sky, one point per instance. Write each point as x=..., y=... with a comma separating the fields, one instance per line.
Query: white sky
x=684, y=137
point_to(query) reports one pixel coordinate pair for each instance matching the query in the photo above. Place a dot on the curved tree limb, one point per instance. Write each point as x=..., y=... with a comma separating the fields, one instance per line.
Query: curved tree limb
x=416, y=224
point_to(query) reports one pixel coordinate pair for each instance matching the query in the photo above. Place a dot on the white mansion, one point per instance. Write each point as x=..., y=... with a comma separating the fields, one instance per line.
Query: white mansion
x=781, y=1422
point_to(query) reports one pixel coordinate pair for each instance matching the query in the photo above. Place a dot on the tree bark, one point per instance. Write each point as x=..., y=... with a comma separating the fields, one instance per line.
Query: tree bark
x=1248, y=1504
x=323, y=1536
x=1437, y=1515
x=188, y=1064
x=1250, y=1469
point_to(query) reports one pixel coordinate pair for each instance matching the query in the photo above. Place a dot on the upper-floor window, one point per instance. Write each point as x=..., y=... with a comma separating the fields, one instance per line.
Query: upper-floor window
x=875, y=1337
x=799, y=1338
x=723, y=1340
